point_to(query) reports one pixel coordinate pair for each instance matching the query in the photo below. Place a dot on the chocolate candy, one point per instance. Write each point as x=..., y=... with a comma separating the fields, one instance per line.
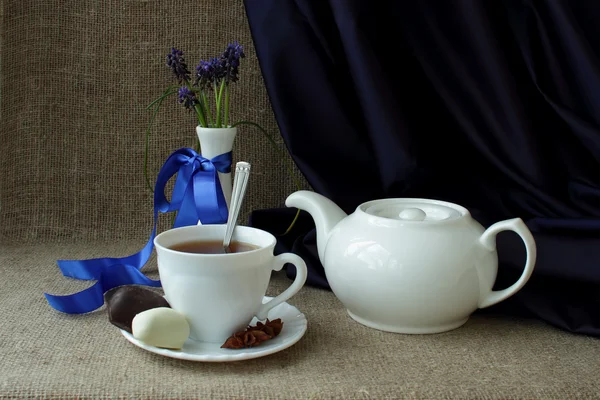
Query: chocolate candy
x=125, y=302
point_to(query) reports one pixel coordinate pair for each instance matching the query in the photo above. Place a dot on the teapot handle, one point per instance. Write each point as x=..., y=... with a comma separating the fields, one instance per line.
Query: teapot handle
x=488, y=240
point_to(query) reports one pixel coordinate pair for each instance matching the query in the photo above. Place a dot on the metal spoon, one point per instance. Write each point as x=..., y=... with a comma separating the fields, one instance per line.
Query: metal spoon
x=240, y=181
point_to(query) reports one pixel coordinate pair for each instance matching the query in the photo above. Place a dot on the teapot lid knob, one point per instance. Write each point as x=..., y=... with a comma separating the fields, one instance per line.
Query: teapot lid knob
x=412, y=214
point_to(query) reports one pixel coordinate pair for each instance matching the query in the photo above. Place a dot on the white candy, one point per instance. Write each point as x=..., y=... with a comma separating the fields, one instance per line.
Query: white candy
x=161, y=327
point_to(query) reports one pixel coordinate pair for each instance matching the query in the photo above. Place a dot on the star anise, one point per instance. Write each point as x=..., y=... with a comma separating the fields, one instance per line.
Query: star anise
x=254, y=335
x=272, y=328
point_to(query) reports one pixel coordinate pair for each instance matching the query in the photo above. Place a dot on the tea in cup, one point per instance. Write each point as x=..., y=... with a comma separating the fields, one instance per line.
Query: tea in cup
x=221, y=293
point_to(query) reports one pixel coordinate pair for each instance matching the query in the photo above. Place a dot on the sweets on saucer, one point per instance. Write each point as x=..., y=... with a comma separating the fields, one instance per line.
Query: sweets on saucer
x=125, y=302
x=161, y=327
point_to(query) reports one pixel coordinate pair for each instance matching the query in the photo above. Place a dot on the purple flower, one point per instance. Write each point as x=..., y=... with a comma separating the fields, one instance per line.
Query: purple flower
x=230, y=61
x=187, y=97
x=208, y=73
x=177, y=64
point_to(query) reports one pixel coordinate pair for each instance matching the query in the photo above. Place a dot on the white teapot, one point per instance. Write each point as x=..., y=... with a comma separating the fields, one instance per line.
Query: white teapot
x=410, y=265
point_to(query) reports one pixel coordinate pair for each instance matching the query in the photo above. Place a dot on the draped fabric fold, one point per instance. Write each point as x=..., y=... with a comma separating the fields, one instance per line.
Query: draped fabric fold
x=197, y=196
x=492, y=105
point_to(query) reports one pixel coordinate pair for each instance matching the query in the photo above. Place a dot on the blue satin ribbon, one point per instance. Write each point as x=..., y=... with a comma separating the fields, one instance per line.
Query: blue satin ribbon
x=197, y=196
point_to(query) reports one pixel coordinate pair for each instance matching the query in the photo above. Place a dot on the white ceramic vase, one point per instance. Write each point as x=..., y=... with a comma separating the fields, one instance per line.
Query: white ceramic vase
x=216, y=141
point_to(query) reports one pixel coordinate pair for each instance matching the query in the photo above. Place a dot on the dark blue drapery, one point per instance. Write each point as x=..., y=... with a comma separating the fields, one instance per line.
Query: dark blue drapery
x=494, y=105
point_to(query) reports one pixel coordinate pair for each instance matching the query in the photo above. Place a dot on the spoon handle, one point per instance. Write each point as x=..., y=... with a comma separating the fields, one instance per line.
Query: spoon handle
x=240, y=181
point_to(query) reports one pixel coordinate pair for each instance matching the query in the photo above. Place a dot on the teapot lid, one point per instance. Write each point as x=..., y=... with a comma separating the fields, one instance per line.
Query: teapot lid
x=414, y=210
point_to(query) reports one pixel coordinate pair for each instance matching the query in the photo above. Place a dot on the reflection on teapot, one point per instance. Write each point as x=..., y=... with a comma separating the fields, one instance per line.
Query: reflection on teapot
x=410, y=265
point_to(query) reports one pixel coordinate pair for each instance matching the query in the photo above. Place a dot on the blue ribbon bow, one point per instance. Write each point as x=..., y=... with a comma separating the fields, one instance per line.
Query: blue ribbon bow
x=197, y=196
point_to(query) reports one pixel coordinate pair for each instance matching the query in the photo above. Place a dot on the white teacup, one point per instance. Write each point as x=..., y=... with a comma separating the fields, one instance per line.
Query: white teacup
x=219, y=294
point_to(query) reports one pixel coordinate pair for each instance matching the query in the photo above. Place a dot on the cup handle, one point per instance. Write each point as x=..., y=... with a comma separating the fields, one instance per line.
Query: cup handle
x=301, y=273
x=488, y=240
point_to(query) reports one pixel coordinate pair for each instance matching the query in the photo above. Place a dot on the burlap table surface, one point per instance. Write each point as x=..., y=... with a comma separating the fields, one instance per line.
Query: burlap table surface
x=46, y=353
x=75, y=79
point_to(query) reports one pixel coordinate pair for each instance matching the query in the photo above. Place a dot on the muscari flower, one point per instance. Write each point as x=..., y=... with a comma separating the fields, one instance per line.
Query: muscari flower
x=187, y=97
x=209, y=73
x=177, y=64
x=230, y=61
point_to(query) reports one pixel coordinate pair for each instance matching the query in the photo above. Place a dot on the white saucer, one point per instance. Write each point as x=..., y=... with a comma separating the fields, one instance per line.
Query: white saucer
x=294, y=327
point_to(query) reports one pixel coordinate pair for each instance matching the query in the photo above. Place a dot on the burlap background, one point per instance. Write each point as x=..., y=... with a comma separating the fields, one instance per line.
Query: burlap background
x=76, y=79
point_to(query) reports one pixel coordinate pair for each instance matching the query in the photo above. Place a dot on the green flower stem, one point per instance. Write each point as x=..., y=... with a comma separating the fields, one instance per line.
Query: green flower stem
x=282, y=155
x=218, y=99
x=168, y=92
x=158, y=103
x=201, y=115
x=208, y=113
x=226, y=111
x=217, y=106
x=198, y=107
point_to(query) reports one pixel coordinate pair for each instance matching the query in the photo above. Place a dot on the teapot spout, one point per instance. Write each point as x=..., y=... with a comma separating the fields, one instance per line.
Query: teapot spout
x=324, y=211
